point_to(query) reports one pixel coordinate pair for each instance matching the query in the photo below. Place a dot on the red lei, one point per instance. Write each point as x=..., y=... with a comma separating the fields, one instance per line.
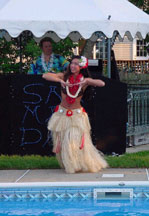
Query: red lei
x=74, y=88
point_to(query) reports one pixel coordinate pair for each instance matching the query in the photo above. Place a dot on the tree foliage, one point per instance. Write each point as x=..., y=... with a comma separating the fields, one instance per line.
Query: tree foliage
x=138, y=3
x=9, y=55
x=143, y=4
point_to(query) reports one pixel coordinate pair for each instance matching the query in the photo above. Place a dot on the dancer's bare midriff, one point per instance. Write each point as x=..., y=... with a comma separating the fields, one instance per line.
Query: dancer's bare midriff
x=75, y=105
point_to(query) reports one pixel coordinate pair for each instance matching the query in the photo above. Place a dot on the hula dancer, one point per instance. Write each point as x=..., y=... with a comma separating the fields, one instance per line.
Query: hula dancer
x=70, y=124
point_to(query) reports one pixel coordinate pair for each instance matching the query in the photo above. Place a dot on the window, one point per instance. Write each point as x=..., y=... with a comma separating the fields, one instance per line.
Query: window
x=141, y=48
x=101, y=49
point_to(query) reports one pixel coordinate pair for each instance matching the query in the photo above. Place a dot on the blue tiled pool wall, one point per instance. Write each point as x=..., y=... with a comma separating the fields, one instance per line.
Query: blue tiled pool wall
x=61, y=192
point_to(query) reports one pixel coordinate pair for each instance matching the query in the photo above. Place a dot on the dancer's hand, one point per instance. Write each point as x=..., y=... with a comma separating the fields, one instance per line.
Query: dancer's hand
x=82, y=83
x=64, y=84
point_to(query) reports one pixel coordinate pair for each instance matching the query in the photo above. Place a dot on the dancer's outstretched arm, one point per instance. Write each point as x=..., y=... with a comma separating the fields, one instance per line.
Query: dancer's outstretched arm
x=92, y=82
x=56, y=78
x=53, y=77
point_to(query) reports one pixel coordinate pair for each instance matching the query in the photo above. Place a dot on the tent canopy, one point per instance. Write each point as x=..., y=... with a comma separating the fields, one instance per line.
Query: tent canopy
x=79, y=18
x=3, y=3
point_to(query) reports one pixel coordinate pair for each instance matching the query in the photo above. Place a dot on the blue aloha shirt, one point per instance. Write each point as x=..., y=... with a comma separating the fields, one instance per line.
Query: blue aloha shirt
x=59, y=65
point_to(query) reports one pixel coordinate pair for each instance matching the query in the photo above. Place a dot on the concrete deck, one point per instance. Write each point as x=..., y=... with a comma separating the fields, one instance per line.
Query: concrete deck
x=59, y=175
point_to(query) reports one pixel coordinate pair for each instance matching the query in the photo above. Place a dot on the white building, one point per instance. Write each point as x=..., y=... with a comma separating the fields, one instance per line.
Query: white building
x=130, y=50
x=126, y=50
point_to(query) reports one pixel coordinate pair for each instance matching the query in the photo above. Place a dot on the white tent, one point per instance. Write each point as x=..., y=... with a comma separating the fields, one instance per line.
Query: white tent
x=64, y=17
x=3, y=3
x=78, y=18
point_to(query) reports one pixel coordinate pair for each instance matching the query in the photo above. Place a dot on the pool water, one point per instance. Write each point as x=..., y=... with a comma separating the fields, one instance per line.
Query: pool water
x=75, y=207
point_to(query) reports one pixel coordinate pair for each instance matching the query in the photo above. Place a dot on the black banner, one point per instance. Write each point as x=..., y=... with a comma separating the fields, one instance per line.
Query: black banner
x=28, y=101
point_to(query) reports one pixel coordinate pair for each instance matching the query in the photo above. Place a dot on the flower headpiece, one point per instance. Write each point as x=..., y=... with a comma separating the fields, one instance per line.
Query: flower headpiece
x=83, y=62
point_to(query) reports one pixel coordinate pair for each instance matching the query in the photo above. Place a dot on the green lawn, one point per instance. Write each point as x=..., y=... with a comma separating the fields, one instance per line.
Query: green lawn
x=130, y=160
x=133, y=160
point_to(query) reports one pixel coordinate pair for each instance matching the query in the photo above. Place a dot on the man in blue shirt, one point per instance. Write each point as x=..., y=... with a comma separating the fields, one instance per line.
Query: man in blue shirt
x=48, y=61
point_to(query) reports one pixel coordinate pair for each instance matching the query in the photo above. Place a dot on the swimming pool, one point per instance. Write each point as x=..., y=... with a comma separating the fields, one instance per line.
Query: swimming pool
x=139, y=207
x=75, y=198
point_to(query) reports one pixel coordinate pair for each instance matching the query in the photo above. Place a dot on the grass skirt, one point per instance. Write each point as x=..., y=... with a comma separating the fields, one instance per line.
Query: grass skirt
x=72, y=141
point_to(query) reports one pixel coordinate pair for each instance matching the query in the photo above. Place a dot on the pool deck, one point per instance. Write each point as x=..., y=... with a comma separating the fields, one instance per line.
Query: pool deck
x=59, y=175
